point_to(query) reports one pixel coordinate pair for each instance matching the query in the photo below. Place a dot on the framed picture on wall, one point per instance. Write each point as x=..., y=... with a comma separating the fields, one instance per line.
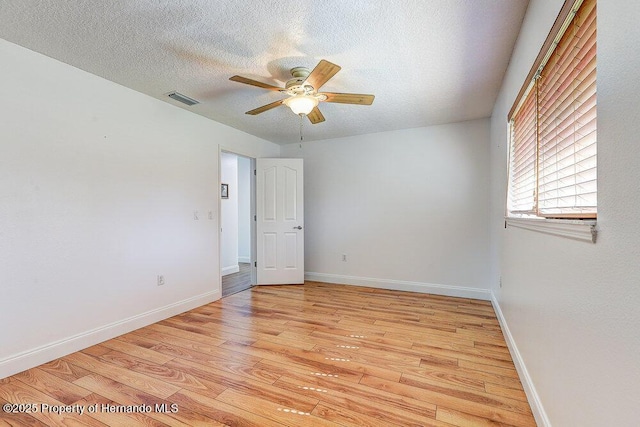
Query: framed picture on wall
x=224, y=191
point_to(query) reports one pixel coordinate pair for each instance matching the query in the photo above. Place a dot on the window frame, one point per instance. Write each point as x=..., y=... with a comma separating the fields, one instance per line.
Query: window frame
x=532, y=217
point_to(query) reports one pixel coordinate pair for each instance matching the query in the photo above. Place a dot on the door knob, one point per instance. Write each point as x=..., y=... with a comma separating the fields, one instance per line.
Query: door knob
x=298, y=227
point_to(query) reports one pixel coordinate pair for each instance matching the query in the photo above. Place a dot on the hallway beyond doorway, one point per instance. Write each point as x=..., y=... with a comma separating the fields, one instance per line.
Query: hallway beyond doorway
x=236, y=282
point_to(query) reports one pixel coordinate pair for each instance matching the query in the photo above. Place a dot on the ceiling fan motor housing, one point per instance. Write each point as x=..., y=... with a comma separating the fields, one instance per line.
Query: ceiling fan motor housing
x=300, y=72
x=296, y=86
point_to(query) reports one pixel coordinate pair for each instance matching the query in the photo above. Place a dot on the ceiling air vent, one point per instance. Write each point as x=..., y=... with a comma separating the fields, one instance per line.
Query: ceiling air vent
x=182, y=98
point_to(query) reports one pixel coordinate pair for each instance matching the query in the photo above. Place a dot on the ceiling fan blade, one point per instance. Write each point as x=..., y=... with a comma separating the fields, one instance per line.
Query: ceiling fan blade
x=252, y=82
x=264, y=108
x=315, y=116
x=349, y=98
x=321, y=74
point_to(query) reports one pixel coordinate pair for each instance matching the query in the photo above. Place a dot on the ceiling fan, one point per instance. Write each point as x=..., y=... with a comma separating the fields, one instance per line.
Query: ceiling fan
x=303, y=91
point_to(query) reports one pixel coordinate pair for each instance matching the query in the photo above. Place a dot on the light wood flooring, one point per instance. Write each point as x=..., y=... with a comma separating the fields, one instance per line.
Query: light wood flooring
x=236, y=282
x=312, y=355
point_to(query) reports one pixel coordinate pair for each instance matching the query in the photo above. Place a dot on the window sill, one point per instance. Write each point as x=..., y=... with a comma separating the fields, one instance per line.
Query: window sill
x=584, y=230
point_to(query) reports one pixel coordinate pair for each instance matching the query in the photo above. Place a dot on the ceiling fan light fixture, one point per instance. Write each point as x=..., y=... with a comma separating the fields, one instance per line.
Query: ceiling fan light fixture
x=303, y=93
x=301, y=104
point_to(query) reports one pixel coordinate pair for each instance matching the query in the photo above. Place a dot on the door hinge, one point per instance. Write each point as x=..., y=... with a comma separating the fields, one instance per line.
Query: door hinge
x=255, y=217
x=255, y=172
x=255, y=264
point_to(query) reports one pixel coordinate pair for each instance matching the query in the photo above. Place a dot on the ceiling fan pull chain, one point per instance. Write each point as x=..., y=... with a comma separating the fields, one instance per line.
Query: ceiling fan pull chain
x=301, y=120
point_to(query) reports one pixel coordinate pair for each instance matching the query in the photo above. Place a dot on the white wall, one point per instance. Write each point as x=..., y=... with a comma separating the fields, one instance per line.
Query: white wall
x=229, y=214
x=572, y=307
x=244, y=209
x=409, y=208
x=98, y=188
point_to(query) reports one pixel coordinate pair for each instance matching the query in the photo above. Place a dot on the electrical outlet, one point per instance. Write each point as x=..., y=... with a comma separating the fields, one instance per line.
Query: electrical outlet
x=210, y=214
x=195, y=215
x=344, y=257
x=160, y=280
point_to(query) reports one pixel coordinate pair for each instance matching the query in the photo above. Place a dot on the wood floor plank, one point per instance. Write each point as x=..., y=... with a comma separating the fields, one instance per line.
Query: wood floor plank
x=414, y=328
x=479, y=336
x=164, y=373
x=167, y=332
x=117, y=419
x=374, y=340
x=374, y=403
x=293, y=417
x=134, y=379
x=506, y=371
x=184, y=342
x=460, y=419
x=337, y=361
x=374, y=311
x=324, y=387
x=469, y=354
x=292, y=360
x=138, y=338
x=17, y=392
x=282, y=369
x=502, y=348
x=432, y=360
x=222, y=333
x=64, y=370
x=217, y=362
x=384, y=353
x=246, y=385
x=137, y=351
x=18, y=419
x=430, y=337
x=445, y=373
x=479, y=396
x=96, y=350
x=513, y=393
x=254, y=323
x=49, y=384
x=345, y=328
x=313, y=354
x=446, y=380
x=223, y=359
x=486, y=408
x=125, y=395
x=282, y=340
x=220, y=412
x=412, y=355
x=354, y=418
x=225, y=333
x=218, y=351
x=349, y=418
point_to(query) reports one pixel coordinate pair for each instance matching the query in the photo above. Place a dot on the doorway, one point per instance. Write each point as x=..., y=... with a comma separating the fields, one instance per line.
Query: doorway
x=237, y=228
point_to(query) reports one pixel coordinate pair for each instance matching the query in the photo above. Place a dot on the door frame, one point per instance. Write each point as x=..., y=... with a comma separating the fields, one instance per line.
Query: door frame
x=252, y=208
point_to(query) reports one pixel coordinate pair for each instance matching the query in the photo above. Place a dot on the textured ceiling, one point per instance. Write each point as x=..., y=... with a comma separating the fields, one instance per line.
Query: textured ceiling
x=427, y=61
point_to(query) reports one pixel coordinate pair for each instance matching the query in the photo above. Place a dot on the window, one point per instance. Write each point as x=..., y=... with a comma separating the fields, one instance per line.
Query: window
x=552, y=165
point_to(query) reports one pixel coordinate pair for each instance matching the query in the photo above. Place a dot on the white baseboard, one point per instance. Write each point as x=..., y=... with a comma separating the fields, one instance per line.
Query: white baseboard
x=230, y=270
x=527, y=383
x=400, y=285
x=244, y=259
x=48, y=352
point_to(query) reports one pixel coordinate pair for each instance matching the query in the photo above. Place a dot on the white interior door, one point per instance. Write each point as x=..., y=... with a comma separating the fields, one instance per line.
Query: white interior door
x=280, y=221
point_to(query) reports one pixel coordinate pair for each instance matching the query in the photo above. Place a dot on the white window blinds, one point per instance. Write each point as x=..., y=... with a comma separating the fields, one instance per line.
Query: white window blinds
x=522, y=168
x=552, y=170
x=567, y=122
